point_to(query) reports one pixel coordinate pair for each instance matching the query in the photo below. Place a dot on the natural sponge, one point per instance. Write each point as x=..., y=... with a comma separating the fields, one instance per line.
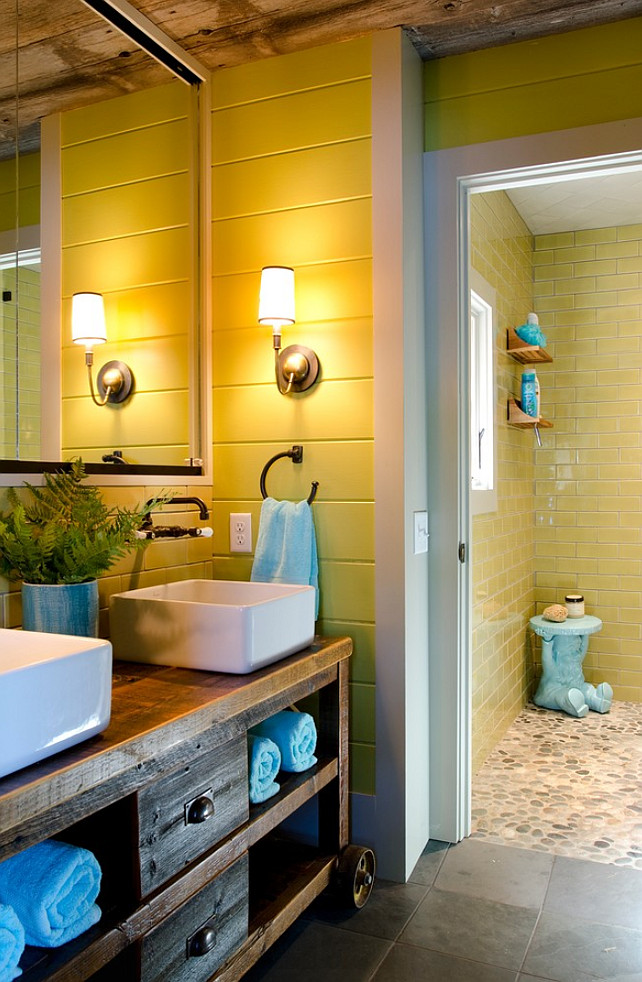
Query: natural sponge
x=556, y=612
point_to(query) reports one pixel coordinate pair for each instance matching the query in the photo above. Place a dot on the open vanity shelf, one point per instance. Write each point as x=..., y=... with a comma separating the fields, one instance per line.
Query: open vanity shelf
x=200, y=901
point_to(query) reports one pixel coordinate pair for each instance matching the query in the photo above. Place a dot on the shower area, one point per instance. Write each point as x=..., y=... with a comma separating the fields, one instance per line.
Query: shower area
x=567, y=517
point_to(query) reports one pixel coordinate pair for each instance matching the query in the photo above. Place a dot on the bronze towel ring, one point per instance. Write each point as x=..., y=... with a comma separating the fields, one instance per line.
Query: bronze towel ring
x=296, y=455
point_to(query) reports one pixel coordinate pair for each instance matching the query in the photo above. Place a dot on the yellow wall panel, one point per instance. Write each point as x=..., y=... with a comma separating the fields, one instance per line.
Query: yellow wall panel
x=311, y=118
x=344, y=470
x=128, y=112
x=128, y=210
x=336, y=410
x=157, y=257
x=125, y=157
x=345, y=530
x=342, y=347
x=527, y=62
x=158, y=364
x=347, y=591
x=317, y=234
x=148, y=418
x=362, y=662
x=329, y=291
x=309, y=176
x=325, y=65
x=574, y=79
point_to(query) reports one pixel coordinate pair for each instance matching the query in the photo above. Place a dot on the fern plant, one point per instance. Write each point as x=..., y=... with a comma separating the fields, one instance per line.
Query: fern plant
x=65, y=533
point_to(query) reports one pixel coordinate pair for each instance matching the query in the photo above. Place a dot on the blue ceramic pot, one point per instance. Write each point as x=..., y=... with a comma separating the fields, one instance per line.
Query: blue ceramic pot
x=65, y=608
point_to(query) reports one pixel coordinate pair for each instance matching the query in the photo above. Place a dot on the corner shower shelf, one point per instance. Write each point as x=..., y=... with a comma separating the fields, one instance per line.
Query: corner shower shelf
x=522, y=420
x=525, y=353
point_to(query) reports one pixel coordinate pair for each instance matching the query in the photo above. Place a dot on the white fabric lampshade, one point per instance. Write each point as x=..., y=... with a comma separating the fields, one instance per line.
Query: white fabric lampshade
x=276, y=297
x=88, y=319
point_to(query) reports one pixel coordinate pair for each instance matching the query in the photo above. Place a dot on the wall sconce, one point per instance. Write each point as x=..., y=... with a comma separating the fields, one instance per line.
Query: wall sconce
x=296, y=367
x=115, y=379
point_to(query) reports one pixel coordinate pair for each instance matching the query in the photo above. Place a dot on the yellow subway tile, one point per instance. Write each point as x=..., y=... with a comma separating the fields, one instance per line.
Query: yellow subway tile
x=576, y=285
x=606, y=299
x=554, y=240
x=628, y=232
x=632, y=264
x=574, y=254
x=543, y=257
x=626, y=282
x=584, y=236
x=555, y=271
x=616, y=250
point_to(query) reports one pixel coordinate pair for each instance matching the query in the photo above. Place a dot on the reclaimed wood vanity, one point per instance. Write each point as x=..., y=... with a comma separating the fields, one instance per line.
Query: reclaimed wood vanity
x=197, y=883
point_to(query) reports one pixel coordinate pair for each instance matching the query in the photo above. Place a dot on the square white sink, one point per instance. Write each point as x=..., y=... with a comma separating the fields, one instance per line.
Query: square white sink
x=55, y=690
x=214, y=625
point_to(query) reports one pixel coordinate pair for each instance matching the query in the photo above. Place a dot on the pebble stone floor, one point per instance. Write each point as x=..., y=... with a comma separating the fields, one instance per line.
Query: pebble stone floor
x=571, y=787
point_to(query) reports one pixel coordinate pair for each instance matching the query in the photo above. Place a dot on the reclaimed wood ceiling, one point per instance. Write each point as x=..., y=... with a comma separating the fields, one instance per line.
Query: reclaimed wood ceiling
x=69, y=56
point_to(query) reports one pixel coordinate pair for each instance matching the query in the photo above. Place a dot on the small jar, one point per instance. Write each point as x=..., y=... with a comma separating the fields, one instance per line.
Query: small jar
x=574, y=604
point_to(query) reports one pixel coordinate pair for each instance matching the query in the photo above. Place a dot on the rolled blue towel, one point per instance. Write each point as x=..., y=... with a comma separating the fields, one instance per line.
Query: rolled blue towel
x=295, y=734
x=12, y=943
x=264, y=761
x=52, y=887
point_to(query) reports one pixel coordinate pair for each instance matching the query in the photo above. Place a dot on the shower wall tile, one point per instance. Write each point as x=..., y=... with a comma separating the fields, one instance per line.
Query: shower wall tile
x=503, y=551
x=588, y=475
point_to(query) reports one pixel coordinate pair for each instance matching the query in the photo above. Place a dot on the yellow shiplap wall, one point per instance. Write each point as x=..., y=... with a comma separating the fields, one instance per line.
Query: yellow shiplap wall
x=126, y=234
x=503, y=546
x=292, y=186
x=581, y=77
x=589, y=498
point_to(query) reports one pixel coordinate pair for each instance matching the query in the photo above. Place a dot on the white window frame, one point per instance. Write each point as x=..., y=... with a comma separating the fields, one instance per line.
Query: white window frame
x=483, y=449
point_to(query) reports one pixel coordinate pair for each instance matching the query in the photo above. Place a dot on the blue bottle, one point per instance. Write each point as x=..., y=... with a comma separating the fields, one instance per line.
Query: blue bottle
x=530, y=393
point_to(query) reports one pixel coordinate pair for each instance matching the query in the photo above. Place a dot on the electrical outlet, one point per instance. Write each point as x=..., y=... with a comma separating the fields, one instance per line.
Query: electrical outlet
x=240, y=532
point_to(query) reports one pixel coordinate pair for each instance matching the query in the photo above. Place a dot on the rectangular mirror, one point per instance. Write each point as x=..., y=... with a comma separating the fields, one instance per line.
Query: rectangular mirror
x=100, y=169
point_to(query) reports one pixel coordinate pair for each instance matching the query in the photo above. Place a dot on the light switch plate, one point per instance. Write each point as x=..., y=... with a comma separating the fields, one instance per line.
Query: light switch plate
x=421, y=532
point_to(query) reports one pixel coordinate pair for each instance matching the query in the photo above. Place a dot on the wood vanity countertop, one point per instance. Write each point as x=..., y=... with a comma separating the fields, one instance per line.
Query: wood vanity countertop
x=162, y=718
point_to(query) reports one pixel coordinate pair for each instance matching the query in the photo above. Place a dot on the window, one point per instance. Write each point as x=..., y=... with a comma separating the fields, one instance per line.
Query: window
x=482, y=403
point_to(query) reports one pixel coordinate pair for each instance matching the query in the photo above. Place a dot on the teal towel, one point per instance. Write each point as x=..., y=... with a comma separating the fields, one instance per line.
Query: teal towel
x=12, y=943
x=286, y=547
x=264, y=761
x=52, y=887
x=295, y=734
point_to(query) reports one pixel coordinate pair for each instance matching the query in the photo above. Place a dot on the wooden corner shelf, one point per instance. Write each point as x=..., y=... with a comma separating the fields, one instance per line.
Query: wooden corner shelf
x=522, y=420
x=527, y=354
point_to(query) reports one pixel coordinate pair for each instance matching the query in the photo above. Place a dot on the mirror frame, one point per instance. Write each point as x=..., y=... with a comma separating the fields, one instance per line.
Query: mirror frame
x=134, y=25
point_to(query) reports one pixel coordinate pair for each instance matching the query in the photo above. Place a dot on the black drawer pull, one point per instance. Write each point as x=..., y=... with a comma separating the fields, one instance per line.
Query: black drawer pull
x=202, y=942
x=199, y=810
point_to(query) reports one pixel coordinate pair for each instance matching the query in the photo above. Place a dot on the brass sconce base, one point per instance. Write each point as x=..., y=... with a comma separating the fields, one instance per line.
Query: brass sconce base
x=115, y=381
x=297, y=366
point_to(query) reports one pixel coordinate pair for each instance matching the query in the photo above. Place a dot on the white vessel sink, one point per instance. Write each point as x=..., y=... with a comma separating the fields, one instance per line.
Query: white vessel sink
x=215, y=625
x=55, y=690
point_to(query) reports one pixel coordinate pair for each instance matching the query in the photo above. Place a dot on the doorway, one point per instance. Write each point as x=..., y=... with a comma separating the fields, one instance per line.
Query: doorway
x=451, y=178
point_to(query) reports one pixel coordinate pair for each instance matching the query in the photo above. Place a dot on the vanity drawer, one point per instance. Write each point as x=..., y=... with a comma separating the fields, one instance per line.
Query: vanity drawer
x=187, y=812
x=194, y=941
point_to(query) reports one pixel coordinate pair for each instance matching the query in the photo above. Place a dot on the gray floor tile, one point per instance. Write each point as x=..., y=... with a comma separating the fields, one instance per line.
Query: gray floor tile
x=570, y=949
x=596, y=891
x=406, y=962
x=319, y=953
x=482, y=930
x=483, y=869
x=429, y=863
x=385, y=915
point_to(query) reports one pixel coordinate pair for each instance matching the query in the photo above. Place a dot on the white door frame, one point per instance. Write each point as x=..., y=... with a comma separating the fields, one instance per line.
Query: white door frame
x=449, y=177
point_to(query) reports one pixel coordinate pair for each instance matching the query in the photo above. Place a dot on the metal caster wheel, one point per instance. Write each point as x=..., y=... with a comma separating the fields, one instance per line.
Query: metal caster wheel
x=355, y=876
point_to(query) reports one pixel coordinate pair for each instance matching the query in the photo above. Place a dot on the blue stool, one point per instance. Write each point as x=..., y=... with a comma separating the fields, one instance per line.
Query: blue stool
x=562, y=684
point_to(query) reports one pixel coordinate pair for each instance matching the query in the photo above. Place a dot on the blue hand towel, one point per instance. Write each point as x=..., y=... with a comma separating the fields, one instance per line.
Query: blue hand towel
x=12, y=943
x=295, y=734
x=52, y=887
x=264, y=761
x=286, y=547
